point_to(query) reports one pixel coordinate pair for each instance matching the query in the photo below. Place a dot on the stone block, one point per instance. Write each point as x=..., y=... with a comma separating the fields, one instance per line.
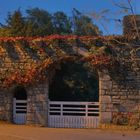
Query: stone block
x=116, y=101
x=102, y=92
x=106, y=107
x=133, y=97
x=41, y=97
x=105, y=77
x=105, y=85
x=123, y=97
x=105, y=99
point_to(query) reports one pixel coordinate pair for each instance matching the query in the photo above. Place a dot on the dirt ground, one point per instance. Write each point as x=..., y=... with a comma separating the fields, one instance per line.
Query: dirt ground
x=18, y=132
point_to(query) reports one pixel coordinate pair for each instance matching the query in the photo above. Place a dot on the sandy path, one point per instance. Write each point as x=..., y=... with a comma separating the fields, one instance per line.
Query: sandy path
x=15, y=132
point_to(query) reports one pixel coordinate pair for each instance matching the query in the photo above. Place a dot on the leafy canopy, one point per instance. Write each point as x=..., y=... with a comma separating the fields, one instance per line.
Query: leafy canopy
x=39, y=22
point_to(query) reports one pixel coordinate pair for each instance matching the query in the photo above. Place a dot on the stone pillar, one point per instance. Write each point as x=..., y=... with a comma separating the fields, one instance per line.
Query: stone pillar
x=37, y=105
x=105, y=86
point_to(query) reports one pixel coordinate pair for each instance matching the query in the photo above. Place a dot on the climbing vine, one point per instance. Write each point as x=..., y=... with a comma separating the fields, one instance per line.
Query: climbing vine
x=41, y=53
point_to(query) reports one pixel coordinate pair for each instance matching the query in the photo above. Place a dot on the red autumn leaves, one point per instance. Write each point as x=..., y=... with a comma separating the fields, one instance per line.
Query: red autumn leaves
x=38, y=71
x=54, y=37
x=99, y=59
x=34, y=74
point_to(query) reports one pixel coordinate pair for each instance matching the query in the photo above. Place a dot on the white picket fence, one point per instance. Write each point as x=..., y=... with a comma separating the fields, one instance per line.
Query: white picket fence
x=73, y=114
x=19, y=111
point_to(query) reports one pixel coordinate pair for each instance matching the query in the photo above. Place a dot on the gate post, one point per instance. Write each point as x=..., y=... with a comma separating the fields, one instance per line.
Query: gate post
x=105, y=88
x=37, y=109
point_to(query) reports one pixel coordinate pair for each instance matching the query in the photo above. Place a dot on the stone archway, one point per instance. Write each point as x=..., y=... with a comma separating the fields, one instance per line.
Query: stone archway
x=74, y=97
x=19, y=105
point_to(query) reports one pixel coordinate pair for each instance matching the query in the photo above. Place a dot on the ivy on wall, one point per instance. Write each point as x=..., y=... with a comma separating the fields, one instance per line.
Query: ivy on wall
x=37, y=54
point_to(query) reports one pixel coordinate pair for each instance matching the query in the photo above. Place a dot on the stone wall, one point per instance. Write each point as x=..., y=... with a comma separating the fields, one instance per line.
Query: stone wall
x=37, y=104
x=14, y=58
x=120, y=92
x=6, y=106
x=119, y=88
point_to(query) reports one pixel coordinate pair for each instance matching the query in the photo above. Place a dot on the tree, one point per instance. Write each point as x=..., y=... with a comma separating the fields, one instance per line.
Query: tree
x=4, y=32
x=83, y=25
x=16, y=24
x=61, y=23
x=39, y=22
x=30, y=30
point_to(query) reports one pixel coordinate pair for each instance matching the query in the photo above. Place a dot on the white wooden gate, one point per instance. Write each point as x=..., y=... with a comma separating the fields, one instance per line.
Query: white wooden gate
x=73, y=114
x=19, y=111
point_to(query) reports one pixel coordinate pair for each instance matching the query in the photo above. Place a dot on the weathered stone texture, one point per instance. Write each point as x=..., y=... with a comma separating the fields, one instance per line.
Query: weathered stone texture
x=37, y=105
x=119, y=88
x=120, y=93
x=6, y=105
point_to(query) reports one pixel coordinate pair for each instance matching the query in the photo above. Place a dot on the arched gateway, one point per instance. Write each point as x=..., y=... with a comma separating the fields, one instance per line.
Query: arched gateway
x=74, y=97
x=19, y=105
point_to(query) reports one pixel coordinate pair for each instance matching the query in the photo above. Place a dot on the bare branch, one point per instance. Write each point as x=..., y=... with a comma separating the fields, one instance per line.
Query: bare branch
x=121, y=6
x=131, y=7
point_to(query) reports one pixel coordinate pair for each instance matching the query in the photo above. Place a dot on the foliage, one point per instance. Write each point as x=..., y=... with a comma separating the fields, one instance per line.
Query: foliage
x=50, y=51
x=83, y=25
x=35, y=74
x=39, y=22
x=5, y=32
x=16, y=24
x=127, y=118
x=61, y=23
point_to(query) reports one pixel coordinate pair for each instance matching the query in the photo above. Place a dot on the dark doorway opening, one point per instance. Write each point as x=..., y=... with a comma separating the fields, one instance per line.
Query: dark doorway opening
x=20, y=93
x=74, y=82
